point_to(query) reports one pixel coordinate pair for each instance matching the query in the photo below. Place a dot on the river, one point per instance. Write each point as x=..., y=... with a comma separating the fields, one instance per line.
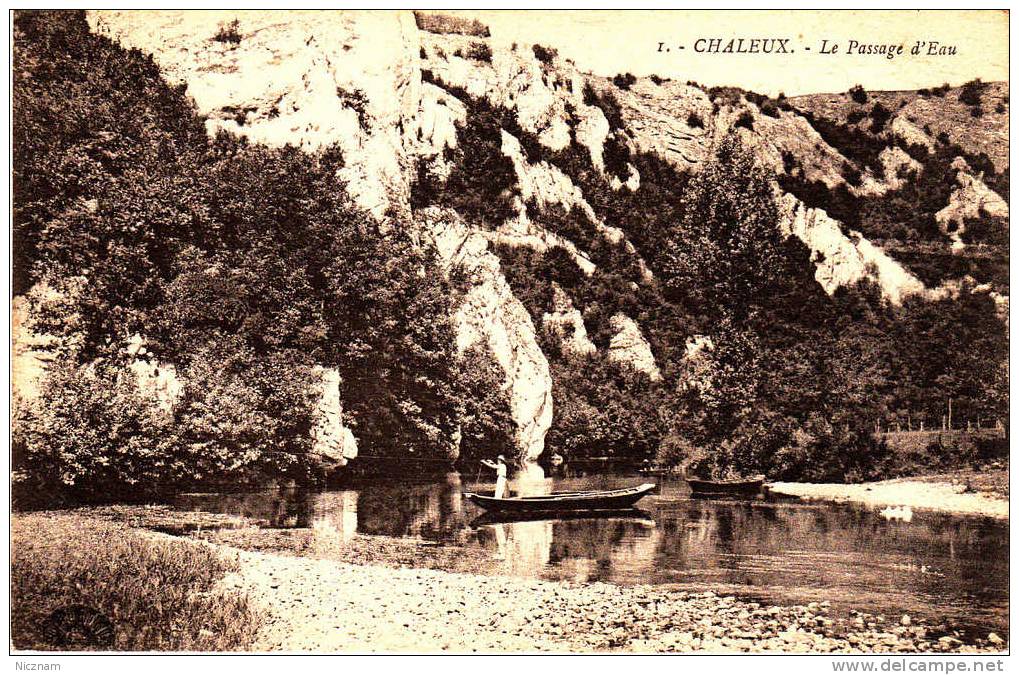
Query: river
x=943, y=568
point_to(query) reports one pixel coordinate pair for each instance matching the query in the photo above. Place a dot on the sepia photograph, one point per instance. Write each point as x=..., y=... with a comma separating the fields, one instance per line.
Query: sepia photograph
x=501, y=332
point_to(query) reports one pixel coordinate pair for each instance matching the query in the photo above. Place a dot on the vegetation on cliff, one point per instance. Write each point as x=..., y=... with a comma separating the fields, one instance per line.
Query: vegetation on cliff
x=243, y=267
x=248, y=269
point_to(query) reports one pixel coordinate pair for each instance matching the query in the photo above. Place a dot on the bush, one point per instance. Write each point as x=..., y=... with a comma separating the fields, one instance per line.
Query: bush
x=608, y=104
x=447, y=24
x=229, y=32
x=879, y=116
x=770, y=109
x=479, y=51
x=694, y=121
x=855, y=116
x=624, y=81
x=90, y=435
x=544, y=54
x=858, y=94
x=971, y=92
x=976, y=111
x=745, y=120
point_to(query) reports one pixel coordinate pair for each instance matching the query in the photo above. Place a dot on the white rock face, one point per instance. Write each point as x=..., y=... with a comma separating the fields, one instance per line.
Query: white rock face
x=314, y=79
x=568, y=323
x=156, y=381
x=968, y=201
x=896, y=161
x=841, y=260
x=331, y=438
x=629, y=346
x=31, y=353
x=492, y=314
x=353, y=79
x=911, y=133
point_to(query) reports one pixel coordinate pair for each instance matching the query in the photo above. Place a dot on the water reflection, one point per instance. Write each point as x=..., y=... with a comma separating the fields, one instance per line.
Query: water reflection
x=934, y=565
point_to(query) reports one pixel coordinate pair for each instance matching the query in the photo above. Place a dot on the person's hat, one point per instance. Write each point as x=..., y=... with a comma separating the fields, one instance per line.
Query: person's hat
x=501, y=458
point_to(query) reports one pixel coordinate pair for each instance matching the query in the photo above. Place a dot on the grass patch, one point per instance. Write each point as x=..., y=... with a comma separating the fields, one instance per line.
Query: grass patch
x=158, y=595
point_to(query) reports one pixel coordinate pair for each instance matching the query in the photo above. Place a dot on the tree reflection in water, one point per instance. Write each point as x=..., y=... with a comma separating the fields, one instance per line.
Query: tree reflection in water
x=936, y=565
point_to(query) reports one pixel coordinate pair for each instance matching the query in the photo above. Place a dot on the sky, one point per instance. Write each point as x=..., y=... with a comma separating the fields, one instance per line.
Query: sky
x=609, y=42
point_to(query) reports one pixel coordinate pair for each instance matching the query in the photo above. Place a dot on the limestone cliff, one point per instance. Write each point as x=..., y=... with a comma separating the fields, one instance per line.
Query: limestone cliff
x=388, y=96
x=490, y=312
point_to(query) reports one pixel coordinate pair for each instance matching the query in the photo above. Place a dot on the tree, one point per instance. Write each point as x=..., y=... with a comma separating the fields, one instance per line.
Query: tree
x=728, y=245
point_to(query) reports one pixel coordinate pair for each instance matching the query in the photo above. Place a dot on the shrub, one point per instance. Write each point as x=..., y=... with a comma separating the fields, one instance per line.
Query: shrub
x=91, y=434
x=229, y=32
x=448, y=24
x=358, y=102
x=879, y=116
x=976, y=111
x=609, y=106
x=694, y=121
x=971, y=91
x=544, y=54
x=852, y=174
x=855, y=116
x=770, y=109
x=479, y=51
x=858, y=94
x=745, y=120
x=658, y=80
x=624, y=81
x=617, y=157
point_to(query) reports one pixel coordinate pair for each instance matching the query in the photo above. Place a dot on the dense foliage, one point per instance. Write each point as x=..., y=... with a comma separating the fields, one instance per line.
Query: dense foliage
x=245, y=268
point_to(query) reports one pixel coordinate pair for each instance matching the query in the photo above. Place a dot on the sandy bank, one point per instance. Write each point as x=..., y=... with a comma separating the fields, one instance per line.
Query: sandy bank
x=328, y=606
x=914, y=493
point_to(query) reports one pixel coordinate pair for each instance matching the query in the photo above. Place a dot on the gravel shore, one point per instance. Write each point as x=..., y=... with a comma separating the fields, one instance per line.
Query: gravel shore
x=316, y=605
x=917, y=494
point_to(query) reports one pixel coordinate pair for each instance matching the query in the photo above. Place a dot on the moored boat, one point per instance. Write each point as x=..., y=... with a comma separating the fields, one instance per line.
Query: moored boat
x=596, y=500
x=736, y=487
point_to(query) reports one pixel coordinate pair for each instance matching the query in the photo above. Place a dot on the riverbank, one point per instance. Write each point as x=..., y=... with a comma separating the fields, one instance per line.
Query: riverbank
x=276, y=591
x=325, y=606
x=82, y=583
x=962, y=492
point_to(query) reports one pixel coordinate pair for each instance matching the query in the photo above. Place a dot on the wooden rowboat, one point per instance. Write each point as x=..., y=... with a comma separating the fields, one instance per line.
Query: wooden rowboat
x=598, y=500
x=738, y=487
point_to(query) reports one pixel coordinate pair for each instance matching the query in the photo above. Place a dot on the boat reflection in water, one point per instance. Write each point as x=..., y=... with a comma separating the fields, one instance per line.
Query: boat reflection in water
x=525, y=543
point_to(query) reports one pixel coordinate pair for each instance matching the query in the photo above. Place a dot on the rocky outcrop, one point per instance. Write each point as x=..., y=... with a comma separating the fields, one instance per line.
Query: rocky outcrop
x=317, y=79
x=972, y=199
x=490, y=313
x=31, y=352
x=332, y=441
x=353, y=80
x=629, y=346
x=910, y=133
x=158, y=382
x=567, y=323
x=842, y=260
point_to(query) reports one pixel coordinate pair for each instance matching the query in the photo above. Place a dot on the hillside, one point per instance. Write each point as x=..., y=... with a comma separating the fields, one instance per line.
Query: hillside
x=445, y=247
x=978, y=123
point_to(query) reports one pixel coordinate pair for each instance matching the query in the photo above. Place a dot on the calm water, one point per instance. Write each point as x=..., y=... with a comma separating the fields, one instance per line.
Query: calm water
x=943, y=568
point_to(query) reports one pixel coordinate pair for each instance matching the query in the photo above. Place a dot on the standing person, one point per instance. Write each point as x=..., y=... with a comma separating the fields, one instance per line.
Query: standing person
x=500, y=475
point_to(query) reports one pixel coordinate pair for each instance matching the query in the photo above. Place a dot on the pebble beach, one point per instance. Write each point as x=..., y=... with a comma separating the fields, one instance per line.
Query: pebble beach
x=320, y=605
